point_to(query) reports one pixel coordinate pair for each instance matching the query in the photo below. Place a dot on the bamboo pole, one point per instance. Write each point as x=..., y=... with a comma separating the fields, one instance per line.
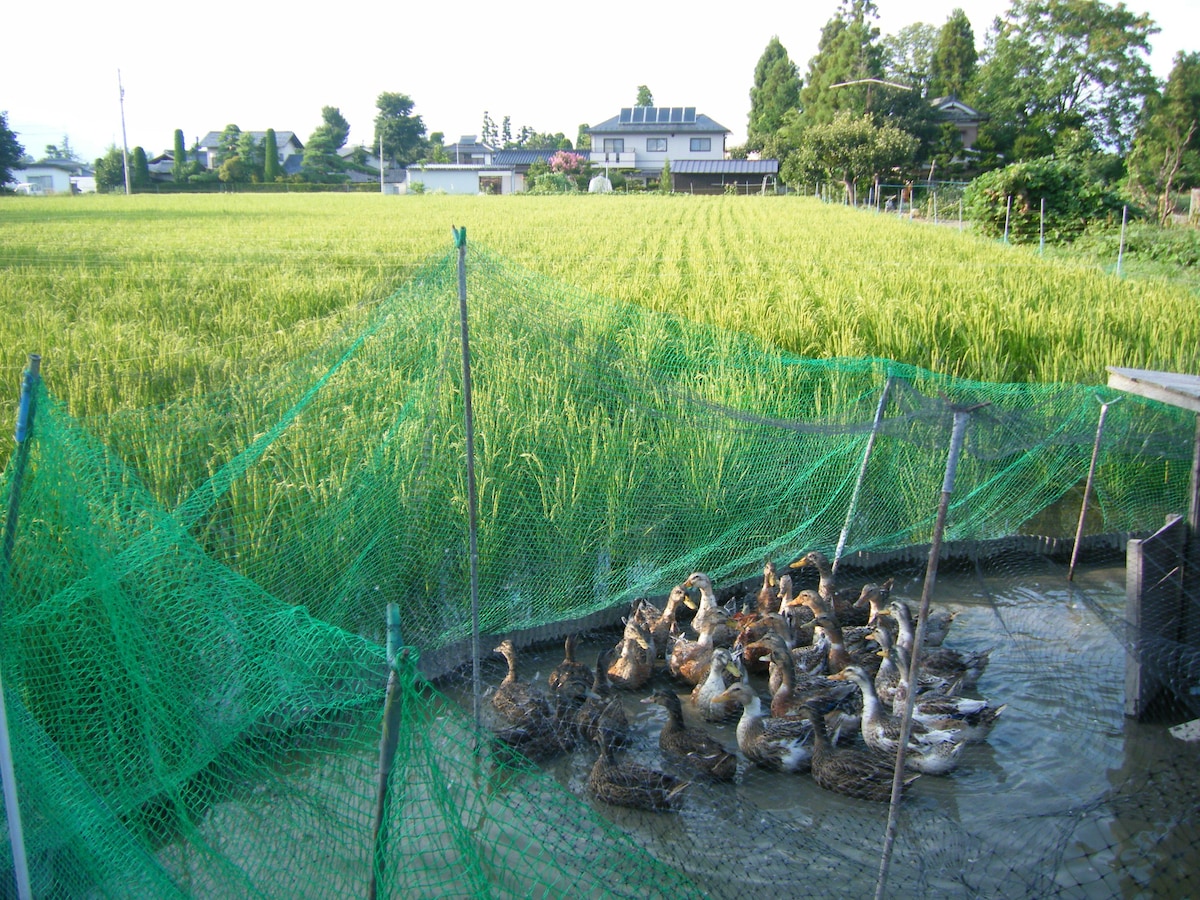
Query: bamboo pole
x=12, y=806
x=460, y=241
x=1087, y=488
x=961, y=417
x=389, y=740
x=862, y=472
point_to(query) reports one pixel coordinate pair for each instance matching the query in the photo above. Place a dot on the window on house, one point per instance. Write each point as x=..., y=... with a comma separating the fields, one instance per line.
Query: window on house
x=656, y=145
x=701, y=144
x=614, y=145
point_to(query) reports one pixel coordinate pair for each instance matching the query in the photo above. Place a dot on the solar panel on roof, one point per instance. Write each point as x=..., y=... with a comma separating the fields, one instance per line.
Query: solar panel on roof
x=689, y=114
x=664, y=114
x=676, y=113
x=626, y=115
x=639, y=114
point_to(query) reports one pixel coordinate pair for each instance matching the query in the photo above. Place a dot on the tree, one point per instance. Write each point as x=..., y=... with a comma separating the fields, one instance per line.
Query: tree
x=402, y=134
x=110, y=170
x=664, y=179
x=321, y=163
x=954, y=58
x=1166, y=151
x=139, y=168
x=179, y=171
x=849, y=149
x=62, y=152
x=583, y=140
x=644, y=97
x=847, y=52
x=776, y=91
x=250, y=154
x=506, y=132
x=908, y=56
x=270, y=151
x=227, y=144
x=489, y=133
x=1057, y=65
x=11, y=151
x=339, y=128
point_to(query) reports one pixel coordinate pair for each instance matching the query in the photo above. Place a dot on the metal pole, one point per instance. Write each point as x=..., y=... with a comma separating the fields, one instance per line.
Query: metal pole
x=1121, y=248
x=124, y=140
x=1087, y=488
x=25, y=414
x=1042, y=228
x=1007, y=216
x=12, y=806
x=460, y=241
x=961, y=417
x=862, y=472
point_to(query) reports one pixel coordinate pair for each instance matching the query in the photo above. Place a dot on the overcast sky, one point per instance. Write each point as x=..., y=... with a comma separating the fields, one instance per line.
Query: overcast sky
x=551, y=66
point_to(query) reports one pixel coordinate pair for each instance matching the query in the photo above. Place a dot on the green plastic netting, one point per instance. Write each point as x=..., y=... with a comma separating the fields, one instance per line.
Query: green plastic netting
x=193, y=612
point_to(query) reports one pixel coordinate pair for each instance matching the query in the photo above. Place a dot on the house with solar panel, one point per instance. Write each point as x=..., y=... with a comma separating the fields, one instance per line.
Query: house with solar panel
x=640, y=139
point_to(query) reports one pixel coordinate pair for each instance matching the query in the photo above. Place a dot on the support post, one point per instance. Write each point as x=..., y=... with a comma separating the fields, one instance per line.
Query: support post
x=460, y=241
x=389, y=740
x=962, y=416
x=12, y=806
x=1121, y=247
x=1007, y=216
x=1042, y=228
x=862, y=473
x=1087, y=488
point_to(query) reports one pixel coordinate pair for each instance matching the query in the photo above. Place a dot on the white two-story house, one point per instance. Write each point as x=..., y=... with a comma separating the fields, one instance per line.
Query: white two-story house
x=638, y=140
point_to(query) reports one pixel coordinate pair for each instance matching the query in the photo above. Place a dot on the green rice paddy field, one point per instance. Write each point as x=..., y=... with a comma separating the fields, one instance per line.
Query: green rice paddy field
x=135, y=300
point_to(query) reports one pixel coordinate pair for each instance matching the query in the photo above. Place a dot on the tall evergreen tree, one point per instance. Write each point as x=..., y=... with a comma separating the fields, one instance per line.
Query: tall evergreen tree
x=954, y=58
x=11, y=150
x=776, y=91
x=338, y=127
x=848, y=52
x=139, y=168
x=271, y=170
x=179, y=165
x=402, y=133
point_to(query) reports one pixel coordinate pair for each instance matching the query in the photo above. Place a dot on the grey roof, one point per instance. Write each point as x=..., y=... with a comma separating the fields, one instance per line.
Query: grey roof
x=954, y=109
x=725, y=166
x=522, y=157
x=701, y=124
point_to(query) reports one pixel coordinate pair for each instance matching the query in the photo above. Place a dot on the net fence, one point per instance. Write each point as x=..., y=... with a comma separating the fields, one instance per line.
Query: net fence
x=193, y=616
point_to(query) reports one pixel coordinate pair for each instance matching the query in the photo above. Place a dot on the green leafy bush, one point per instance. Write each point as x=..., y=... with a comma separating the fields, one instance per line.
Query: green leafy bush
x=1072, y=201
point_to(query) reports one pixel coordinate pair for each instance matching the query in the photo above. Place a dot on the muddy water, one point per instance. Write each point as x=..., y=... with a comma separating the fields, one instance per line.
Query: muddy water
x=1067, y=797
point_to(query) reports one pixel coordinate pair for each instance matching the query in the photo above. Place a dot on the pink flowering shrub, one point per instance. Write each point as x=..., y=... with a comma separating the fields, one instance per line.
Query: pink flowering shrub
x=566, y=162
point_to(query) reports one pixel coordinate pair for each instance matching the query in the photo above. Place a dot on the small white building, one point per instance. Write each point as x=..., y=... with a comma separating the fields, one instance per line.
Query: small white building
x=48, y=177
x=449, y=178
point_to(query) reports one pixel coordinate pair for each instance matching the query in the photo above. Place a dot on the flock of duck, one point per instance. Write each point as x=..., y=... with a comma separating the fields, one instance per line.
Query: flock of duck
x=818, y=679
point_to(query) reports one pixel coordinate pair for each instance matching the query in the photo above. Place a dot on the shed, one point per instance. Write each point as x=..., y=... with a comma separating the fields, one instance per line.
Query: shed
x=716, y=176
x=1162, y=591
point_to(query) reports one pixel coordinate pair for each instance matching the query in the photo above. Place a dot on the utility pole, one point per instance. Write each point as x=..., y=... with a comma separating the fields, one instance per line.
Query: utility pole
x=124, y=140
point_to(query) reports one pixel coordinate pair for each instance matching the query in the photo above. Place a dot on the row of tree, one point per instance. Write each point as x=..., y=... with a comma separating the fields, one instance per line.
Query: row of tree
x=1067, y=79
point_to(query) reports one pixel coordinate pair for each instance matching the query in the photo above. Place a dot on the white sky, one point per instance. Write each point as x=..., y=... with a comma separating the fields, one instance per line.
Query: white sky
x=551, y=66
